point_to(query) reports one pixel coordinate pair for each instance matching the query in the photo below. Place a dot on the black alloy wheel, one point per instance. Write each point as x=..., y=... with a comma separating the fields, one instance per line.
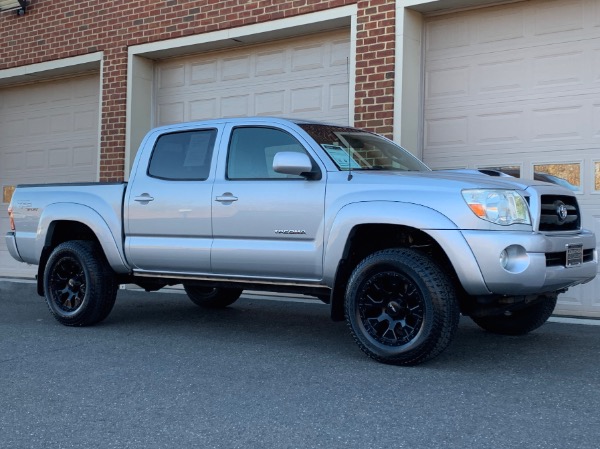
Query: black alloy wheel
x=67, y=284
x=391, y=309
x=79, y=285
x=400, y=307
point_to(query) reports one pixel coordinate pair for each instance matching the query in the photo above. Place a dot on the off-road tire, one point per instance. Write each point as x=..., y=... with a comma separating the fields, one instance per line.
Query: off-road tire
x=519, y=322
x=212, y=298
x=80, y=287
x=400, y=307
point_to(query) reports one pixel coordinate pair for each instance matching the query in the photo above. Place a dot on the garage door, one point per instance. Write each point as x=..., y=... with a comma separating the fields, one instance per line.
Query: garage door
x=48, y=133
x=518, y=86
x=302, y=78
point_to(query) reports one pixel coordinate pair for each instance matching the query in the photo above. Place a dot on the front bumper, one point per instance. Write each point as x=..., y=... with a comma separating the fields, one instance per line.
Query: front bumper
x=528, y=271
x=11, y=244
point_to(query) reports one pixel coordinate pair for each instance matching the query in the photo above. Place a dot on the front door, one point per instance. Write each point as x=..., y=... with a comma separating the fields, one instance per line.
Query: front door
x=263, y=221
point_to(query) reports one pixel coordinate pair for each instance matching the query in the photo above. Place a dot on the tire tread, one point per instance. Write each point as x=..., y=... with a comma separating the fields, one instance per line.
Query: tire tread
x=445, y=322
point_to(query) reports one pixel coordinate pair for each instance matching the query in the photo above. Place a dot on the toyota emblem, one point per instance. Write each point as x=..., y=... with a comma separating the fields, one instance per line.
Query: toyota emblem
x=561, y=211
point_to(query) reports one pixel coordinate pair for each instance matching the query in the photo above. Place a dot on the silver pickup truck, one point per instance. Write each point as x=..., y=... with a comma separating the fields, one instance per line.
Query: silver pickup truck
x=347, y=216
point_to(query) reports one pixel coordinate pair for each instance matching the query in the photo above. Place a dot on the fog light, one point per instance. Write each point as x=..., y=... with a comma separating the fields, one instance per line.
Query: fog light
x=504, y=258
x=514, y=259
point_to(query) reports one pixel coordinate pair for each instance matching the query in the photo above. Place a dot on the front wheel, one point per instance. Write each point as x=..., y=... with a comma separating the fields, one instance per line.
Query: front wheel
x=400, y=307
x=79, y=286
x=521, y=321
x=212, y=297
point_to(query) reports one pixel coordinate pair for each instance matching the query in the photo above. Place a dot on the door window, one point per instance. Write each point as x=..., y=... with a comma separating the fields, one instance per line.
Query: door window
x=252, y=149
x=183, y=155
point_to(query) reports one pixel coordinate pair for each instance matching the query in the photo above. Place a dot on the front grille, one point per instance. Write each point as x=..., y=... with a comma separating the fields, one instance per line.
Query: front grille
x=559, y=213
x=560, y=259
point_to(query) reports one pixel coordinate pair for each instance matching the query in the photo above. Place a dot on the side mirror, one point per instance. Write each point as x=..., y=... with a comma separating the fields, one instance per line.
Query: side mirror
x=292, y=163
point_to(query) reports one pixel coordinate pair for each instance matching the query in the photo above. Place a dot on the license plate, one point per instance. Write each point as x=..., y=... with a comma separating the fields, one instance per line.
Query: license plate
x=574, y=255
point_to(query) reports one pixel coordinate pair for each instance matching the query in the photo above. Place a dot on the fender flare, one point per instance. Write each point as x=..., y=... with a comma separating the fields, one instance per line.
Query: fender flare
x=439, y=227
x=92, y=219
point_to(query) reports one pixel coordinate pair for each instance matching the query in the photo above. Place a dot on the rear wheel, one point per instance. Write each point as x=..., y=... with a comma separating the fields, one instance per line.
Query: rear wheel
x=400, y=307
x=79, y=286
x=521, y=321
x=212, y=297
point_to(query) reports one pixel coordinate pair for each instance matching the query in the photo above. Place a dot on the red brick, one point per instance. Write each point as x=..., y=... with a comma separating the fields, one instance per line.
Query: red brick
x=76, y=28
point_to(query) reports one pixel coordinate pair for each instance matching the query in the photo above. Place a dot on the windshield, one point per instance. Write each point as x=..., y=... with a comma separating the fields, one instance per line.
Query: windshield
x=353, y=149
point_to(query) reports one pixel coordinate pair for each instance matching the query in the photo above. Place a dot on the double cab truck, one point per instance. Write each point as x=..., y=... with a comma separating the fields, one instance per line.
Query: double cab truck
x=347, y=216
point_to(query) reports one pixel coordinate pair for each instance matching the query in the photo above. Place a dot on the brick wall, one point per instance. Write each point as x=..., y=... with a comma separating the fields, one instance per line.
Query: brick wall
x=375, y=50
x=52, y=30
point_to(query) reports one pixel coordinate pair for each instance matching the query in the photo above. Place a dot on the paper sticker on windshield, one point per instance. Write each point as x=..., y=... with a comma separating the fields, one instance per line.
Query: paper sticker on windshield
x=341, y=157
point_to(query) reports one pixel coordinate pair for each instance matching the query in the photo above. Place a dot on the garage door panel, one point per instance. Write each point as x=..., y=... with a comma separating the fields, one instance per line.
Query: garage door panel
x=558, y=122
x=340, y=52
x=235, y=105
x=85, y=120
x=558, y=16
x=339, y=96
x=270, y=103
x=518, y=85
x=269, y=63
x=494, y=126
x=236, y=68
x=513, y=76
x=559, y=68
x=303, y=77
x=256, y=84
x=170, y=113
x=49, y=133
x=201, y=73
x=510, y=27
x=201, y=109
x=172, y=76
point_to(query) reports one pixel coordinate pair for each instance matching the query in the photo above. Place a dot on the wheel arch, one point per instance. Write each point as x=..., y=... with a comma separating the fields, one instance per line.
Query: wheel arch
x=61, y=222
x=367, y=238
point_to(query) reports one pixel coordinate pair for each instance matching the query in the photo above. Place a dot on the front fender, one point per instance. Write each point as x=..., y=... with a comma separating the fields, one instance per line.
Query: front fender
x=443, y=230
x=103, y=230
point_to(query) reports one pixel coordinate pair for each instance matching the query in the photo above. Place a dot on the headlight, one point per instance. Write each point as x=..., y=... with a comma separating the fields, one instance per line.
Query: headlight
x=503, y=207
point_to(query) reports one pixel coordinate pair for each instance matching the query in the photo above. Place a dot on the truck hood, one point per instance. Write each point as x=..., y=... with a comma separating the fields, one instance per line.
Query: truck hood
x=447, y=179
x=438, y=191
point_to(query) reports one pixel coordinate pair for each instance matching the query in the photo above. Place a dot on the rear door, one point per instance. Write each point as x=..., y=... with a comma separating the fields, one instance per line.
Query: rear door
x=265, y=222
x=168, y=204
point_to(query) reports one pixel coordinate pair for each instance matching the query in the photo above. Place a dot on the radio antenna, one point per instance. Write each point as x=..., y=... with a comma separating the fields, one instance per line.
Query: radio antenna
x=349, y=163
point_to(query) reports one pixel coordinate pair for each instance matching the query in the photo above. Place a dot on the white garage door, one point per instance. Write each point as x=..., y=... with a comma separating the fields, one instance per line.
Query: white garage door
x=302, y=78
x=48, y=133
x=518, y=86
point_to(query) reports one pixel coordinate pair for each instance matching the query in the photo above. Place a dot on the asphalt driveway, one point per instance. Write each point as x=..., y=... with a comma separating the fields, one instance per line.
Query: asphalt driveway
x=163, y=373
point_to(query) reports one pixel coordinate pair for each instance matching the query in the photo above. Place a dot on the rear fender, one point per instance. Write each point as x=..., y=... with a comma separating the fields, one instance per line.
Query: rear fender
x=107, y=231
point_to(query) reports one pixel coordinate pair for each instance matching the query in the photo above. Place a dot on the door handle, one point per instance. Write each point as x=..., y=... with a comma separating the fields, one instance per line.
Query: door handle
x=144, y=198
x=226, y=198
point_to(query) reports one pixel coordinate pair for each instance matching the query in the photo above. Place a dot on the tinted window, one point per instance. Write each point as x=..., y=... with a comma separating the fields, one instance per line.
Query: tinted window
x=251, y=153
x=184, y=155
